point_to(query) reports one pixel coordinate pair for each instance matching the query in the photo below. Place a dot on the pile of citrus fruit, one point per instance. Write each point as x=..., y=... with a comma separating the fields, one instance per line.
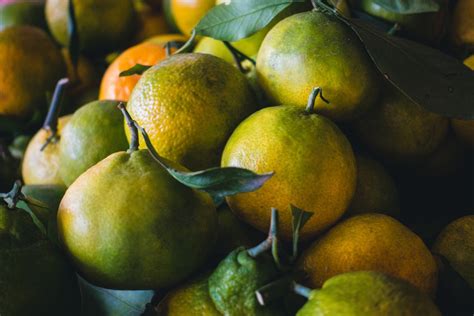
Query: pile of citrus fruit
x=151, y=167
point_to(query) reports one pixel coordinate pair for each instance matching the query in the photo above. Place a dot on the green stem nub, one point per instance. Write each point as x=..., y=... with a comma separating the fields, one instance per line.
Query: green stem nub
x=274, y=290
x=238, y=56
x=12, y=197
x=301, y=290
x=134, y=140
x=312, y=99
x=51, y=122
x=271, y=241
x=394, y=29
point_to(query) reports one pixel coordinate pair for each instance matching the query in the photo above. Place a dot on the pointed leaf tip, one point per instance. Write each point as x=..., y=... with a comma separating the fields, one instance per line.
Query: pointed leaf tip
x=138, y=69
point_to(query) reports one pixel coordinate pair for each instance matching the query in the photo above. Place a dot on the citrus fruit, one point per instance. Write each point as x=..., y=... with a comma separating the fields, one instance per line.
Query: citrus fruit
x=162, y=39
x=174, y=99
x=84, y=82
x=368, y=293
x=93, y=132
x=370, y=242
x=462, y=27
x=183, y=15
x=456, y=244
x=114, y=87
x=102, y=25
x=22, y=12
x=150, y=23
x=375, y=191
x=122, y=224
x=469, y=62
x=41, y=166
x=400, y=130
x=430, y=26
x=191, y=298
x=30, y=66
x=313, y=163
x=313, y=49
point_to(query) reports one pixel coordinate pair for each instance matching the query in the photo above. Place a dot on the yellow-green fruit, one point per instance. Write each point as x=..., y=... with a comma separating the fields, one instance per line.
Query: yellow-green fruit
x=469, y=62
x=456, y=244
x=127, y=224
x=93, y=132
x=191, y=299
x=400, y=130
x=370, y=294
x=370, y=242
x=375, y=192
x=313, y=49
x=30, y=66
x=41, y=166
x=103, y=26
x=313, y=163
x=189, y=104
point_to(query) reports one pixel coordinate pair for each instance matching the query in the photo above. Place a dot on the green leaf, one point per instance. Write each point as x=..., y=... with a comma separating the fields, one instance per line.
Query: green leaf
x=218, y=182
x=97, y=301
x=299, y=218
x=241, y=18
x=74, y=44
x=138, y=69
x=408, y=6
x=430, y=78
x=24, y=206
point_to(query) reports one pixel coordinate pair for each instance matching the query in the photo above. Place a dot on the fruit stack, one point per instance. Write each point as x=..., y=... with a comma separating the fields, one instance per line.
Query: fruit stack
x=202, y=157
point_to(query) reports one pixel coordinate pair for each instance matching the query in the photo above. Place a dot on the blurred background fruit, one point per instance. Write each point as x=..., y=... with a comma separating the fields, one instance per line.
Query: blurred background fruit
x=30, y=66
x=189, y=105
x=370, y=242
x=183, y=15
x=41, y=165
x=92, y=133
x=103, y=25
x=22, y=12
x=376, y=191
x=150, y=23
x=114, y=87
x=313, y=49
x=312, y=160
x=425, y=27
x=399, y=130
x=462, y=28
x=456, y=244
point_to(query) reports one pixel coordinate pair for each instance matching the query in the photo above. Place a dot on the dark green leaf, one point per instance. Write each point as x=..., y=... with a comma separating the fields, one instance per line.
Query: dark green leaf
x=299, y=218
x=97, y=301
x=430, y=78
x=218, y=182
x=138, y=69
x=74, y=44
x=240, y=19
x=24, y=206
x=408, y=6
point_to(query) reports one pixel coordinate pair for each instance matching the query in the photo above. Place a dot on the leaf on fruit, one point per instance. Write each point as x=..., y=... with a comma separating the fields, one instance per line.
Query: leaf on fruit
x=408, y=6
x=240, y=19
x=299, y=218
x=138, y=69
x=218, y=182
x=430, y=78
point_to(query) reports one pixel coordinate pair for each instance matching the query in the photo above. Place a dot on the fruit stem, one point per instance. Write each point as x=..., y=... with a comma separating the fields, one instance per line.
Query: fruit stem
x=168, y=49
x=299, y=219
x=270, y=242
x=301, y=290
x=319, y=5
x=51, y=122
x=394, y=29
x=312, y=99
x=12, y=197
x=134, y=140
x=238, y=56
x=274, y=290
x=188, y=45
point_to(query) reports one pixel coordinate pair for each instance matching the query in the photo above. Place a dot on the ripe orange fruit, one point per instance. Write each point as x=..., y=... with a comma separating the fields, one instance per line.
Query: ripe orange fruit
x=150, y=52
